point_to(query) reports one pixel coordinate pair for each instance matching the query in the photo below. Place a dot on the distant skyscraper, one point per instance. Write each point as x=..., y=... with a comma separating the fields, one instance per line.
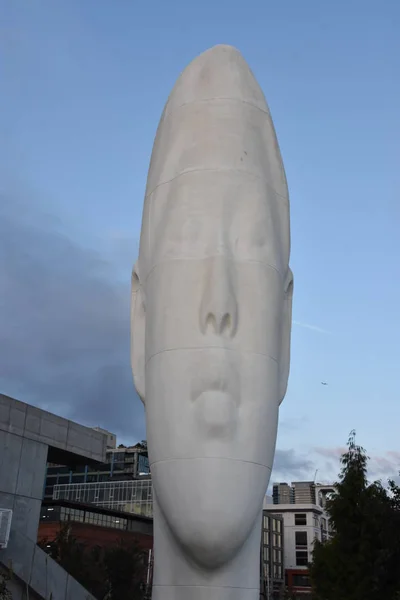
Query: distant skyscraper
x=303, y=492
x=282, y=493
x=299, y=492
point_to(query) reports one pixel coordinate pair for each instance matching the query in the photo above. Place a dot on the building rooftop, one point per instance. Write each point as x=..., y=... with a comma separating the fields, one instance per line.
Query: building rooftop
x=69, y=443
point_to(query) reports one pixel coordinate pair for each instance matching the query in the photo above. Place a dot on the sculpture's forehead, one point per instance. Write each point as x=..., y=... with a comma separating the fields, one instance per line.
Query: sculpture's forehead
x=207, y=213
x=216, y=171
x=220, y=134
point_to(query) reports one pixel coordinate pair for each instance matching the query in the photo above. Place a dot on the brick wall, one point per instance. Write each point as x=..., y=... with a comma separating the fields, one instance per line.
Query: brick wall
x=93, y=535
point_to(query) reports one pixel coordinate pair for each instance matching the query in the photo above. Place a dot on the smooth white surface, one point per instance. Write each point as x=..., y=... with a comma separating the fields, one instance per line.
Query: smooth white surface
x=211, y=321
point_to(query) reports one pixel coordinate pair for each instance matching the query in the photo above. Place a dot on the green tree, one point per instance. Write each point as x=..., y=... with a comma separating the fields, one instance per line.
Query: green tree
x=112, y=573
x=125, y=571
x=5, y=593
x=360, y=561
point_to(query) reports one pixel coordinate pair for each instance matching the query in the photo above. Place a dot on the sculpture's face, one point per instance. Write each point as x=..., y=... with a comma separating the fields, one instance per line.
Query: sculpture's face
x=211, y=335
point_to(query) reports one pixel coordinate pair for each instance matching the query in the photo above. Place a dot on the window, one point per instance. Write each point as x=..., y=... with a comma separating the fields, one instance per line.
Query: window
x=301, y=558
x=276, y=524
x=144, y=466
x=63, y=479
x=300, y=519
x=59, y=470
x=78, y=478
x=301, y=580
x=301, y=539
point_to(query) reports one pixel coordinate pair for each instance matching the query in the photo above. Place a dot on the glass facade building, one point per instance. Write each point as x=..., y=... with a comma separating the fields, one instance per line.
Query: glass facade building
x=121, y=463
x=132, y=496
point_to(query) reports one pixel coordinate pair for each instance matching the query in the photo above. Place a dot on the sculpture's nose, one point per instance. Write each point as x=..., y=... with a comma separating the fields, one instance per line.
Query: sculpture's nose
x=218, y=309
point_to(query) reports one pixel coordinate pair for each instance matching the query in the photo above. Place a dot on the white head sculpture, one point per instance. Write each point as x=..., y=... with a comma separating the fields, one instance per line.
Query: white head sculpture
x=211, y=322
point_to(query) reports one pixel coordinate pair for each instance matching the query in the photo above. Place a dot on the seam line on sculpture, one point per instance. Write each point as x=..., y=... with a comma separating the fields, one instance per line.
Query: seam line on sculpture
x=249, y=462
x=209, y=348
x=212, y=587
x=248, y=261
x=187, y=171
x=204, y=100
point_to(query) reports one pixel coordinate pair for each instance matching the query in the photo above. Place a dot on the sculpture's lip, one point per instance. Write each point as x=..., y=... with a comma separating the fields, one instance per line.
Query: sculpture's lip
x=216, y=377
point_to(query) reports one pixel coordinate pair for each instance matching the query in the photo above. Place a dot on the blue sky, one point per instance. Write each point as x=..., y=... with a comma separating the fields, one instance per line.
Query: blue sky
x=83, y=87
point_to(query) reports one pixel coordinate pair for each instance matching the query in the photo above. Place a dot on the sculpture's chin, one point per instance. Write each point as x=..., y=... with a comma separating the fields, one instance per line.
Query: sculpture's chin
x=210, y=505
x=215, y=541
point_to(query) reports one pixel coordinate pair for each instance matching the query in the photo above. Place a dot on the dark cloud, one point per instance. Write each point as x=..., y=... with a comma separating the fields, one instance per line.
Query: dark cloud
x=64, y=324
x=292, y=466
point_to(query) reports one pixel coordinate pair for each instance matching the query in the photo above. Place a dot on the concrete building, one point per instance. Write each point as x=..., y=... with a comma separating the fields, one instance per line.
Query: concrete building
x=282, y=493
x=29, y=438
x=303, y=492
x=111, y=437
x=272, y=574
x=299, y=492
x=303, y=523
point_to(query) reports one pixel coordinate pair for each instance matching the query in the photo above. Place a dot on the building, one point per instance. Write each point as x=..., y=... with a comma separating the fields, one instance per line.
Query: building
x=303, y=523
x=134, y=496
x=303, y=492
x=111, y=437
x=272, y=578
x=98, y=528
x=282, y=493
x=28, y=438
x=94, y=526
x=299, y=492
x=298, y=582
x=121, y=463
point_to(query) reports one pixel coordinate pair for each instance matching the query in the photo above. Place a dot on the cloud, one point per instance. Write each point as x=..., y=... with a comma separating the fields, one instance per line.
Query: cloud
x=312, y=327
x=293, y=423
x=332, y=453
x=64, y=334
x=292, y=466
x=382, y=466
x=323, y=464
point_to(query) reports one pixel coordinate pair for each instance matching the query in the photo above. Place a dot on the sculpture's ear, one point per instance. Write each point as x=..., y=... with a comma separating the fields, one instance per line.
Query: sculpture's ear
x=284, y=363
x=138, y=325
